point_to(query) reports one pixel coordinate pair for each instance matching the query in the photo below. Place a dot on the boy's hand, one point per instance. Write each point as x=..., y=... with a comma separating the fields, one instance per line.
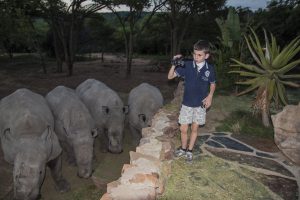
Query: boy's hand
x=207, y=101
x=177, y=56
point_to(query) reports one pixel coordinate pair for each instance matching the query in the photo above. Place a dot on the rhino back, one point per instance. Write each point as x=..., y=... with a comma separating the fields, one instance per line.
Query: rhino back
x=96, y=94
x=143, y=99
x=69, y=109
x=24, y=111
x=145, y=93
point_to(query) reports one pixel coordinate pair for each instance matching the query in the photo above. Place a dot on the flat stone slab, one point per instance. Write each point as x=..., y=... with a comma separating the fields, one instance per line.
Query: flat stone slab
x=232, y=144
x=253, y=161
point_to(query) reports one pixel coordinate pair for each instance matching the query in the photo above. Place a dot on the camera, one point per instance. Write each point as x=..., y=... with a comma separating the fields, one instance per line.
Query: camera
x=178, y=62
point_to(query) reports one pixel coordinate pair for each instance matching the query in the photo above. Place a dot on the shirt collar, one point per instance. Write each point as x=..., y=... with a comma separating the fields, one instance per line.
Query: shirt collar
x=199, y=65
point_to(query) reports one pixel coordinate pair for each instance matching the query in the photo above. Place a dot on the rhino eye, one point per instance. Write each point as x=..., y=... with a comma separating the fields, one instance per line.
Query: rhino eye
x=41, y=172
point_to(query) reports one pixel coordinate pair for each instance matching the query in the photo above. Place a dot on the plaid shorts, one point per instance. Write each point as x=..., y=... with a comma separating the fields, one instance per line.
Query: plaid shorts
x=188, y=115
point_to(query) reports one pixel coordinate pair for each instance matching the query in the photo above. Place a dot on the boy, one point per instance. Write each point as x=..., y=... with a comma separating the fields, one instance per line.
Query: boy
x=198, y=77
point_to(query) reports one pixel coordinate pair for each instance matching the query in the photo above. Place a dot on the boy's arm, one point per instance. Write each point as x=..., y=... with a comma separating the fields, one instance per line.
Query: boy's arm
x=207, y=101
x=172, y=73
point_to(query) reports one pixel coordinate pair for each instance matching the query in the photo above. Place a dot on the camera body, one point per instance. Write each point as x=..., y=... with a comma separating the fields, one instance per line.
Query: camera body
x=178, y=62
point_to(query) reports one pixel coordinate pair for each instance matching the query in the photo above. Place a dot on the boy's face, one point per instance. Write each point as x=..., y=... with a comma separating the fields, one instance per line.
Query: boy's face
x=200, y=56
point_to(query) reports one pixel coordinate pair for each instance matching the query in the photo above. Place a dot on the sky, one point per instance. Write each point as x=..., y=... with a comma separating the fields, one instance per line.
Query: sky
x=252, y=4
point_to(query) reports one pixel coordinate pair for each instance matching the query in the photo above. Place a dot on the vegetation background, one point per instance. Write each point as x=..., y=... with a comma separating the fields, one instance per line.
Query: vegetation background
x=45, y=43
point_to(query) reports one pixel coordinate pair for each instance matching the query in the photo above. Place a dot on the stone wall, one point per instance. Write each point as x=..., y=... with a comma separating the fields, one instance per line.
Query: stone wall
x=145, y=177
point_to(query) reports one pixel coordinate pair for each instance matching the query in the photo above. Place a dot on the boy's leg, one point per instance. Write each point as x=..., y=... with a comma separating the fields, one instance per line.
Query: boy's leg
x=199, y=115
x=183, y=134
x=181, y=151
x=194, y=134
x=185, y=118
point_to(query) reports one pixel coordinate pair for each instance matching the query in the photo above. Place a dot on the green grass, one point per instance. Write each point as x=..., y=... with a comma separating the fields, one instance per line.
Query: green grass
x=212, y=178
x=244, y=122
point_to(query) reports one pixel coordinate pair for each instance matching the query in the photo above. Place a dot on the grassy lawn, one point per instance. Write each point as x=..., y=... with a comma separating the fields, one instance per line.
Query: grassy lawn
x=212, y=178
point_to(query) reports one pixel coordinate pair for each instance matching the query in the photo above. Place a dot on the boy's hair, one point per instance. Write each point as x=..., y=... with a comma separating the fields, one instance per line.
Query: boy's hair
x=202, y=45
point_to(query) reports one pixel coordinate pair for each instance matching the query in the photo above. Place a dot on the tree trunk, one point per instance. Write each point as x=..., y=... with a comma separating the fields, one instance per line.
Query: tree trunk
x=43, y=63
x=265, y=113
x=11, y=55
x=57, y=52
x=129, y=54
x=70, y=68
x=174, y=49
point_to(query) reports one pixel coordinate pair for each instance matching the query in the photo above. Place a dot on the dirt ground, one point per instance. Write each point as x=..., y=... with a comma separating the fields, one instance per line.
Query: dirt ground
x=18, y=74
x=27, y=74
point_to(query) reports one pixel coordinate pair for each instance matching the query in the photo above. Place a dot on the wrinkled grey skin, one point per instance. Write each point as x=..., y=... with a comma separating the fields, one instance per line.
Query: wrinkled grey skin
x=74, y=127
x=108, y=111
x=144, y=101
x=29, y=143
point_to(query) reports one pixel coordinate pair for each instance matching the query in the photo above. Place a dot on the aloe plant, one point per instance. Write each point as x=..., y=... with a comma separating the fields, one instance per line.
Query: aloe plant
x=268, y=76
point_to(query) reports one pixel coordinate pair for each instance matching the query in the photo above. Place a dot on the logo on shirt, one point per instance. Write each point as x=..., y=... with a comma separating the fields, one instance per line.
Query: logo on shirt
x=207, y=73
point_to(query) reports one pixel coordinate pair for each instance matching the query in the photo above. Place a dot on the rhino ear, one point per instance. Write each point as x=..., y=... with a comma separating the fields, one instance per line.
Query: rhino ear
x=142, y=117
x=7, y=135
x=105, y=109
x=47, y=134
x=125, y=109
x=94, y=132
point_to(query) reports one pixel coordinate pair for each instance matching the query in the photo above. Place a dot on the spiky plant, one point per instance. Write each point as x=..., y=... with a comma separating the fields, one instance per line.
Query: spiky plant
x=268, y=74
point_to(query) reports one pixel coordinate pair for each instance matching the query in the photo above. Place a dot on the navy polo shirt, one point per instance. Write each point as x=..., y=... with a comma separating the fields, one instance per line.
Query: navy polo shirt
x=196, y=84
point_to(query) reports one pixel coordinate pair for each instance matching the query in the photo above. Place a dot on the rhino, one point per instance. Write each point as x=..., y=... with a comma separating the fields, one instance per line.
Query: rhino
x=29, y=143
x=74, y=127
x=108, y=111
x=143, y=101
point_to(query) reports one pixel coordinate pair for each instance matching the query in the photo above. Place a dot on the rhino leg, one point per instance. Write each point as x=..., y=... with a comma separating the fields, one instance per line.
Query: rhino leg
x=70, y=153
x=136, y=135
x=55, y=165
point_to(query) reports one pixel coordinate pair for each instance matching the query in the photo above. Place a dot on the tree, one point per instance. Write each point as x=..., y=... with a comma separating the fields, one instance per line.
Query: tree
x=131, y=23
x=268, y=76
x=15, y=29
x=282, y=18
x=180, y=13
x=230, y=45
x=97, y=35
x=66, y=21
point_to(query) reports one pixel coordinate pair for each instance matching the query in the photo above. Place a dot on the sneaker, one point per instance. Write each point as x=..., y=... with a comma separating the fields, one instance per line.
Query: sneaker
x=189, y=157
x=180, y=152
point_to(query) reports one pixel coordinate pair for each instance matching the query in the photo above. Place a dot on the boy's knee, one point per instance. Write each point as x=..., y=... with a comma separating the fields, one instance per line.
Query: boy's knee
x=184, y=128
x=194, y=127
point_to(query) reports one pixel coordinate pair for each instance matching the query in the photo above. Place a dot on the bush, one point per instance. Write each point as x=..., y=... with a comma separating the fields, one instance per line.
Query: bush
x=244, y=122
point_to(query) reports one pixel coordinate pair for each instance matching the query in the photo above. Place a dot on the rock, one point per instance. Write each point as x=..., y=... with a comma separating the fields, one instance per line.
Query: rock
x=287, y=132
x=133, y=192
x=106, y=196
x=112, y=185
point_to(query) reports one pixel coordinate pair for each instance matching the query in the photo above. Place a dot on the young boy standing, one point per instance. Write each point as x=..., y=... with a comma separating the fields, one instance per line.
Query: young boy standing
x=199, y=87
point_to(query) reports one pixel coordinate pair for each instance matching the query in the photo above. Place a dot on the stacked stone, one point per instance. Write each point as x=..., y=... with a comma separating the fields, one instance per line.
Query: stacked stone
x=145, y=176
